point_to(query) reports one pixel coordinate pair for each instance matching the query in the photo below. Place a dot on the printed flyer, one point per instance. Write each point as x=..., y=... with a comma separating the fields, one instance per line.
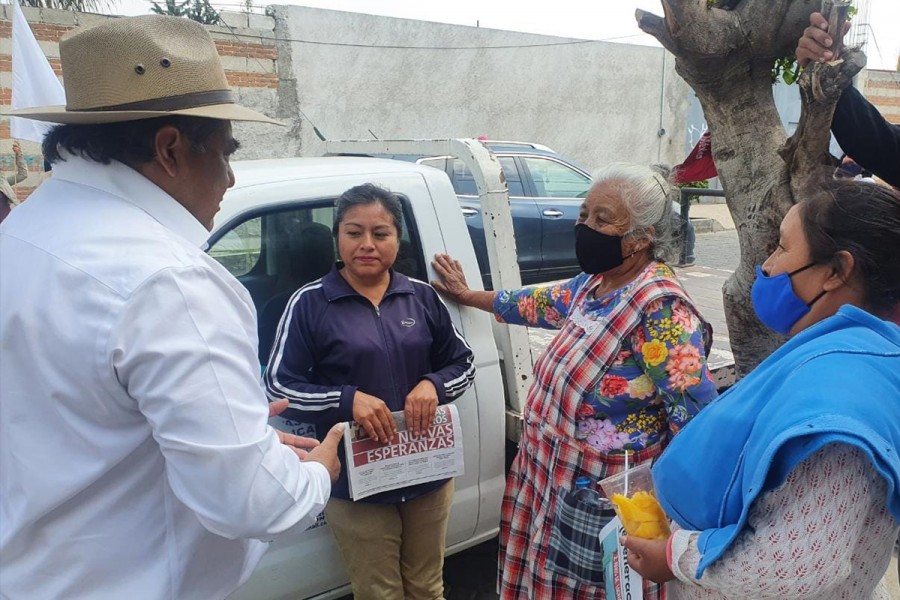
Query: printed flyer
x=373, y=467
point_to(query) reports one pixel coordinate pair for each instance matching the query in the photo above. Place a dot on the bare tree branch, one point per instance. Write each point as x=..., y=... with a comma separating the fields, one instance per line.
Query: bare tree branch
x=655, y=26
x=681, y=14
x=821, y=85
x=838, y=12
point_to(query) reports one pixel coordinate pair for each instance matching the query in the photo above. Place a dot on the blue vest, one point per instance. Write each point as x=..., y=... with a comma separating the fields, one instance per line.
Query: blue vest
x=837, y=381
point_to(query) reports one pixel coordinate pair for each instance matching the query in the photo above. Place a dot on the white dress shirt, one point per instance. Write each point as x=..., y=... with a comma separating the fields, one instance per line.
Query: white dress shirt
x=135, y=456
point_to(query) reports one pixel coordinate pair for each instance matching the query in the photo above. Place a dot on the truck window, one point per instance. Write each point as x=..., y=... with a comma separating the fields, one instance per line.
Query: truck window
x=239, y=249
x=464, y=183
x=437, y=163
x=553, y=179
x=275, y=253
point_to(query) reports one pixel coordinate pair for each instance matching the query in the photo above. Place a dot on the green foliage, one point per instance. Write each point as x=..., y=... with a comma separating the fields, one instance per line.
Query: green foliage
x=196, y=10
x=704, y=184
x=786, y=69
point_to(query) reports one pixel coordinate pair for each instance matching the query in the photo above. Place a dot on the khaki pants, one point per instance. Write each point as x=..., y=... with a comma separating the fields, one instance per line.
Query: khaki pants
x=394, y=551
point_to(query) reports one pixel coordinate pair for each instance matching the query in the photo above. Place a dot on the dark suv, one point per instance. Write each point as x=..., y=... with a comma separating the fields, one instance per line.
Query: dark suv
x=545, y=192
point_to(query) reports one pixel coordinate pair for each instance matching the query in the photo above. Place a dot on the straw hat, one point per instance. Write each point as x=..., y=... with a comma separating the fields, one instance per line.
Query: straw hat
x=140, y=68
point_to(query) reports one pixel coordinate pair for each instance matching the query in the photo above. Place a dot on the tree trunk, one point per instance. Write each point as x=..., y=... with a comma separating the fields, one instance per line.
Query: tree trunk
x=745, y=146
x=726, y=56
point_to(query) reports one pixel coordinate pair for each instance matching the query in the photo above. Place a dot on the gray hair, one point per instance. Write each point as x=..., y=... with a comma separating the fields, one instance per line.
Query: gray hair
x=647, y=195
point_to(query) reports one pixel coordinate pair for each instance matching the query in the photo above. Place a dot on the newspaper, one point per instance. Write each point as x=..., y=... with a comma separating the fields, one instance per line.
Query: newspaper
x=620, y=580
x=373, y=467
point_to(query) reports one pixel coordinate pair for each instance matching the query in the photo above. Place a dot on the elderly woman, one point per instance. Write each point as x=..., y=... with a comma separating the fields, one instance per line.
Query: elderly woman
x=359, y=343
x=789, y=485
x=625, y=373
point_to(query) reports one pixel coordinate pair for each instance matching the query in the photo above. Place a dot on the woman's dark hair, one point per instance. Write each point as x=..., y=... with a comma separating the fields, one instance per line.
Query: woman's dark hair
x=130, y=142
x=863, y=219
x=368, y=193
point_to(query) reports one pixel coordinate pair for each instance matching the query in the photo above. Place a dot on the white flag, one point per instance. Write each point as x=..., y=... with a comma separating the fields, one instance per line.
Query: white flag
x=34, y=82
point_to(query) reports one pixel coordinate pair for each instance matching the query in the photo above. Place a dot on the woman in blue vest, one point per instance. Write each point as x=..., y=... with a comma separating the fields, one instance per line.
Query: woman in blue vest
x=789, y=485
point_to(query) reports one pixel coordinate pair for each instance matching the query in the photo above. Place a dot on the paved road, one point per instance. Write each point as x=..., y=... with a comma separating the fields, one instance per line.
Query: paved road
x=718, y=250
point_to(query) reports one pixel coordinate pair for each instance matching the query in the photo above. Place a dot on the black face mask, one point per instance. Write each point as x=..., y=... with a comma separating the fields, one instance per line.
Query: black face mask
x=597, y=252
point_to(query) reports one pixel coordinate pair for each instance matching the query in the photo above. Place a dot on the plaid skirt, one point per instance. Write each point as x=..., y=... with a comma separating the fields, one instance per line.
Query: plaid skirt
x=542, y=467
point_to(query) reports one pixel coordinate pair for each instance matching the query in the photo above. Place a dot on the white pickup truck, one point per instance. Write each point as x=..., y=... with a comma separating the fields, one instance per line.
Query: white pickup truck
x=273, y=234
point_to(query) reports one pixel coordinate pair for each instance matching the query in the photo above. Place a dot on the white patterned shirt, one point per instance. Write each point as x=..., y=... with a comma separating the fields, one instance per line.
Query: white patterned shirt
x=135, y=456
x=825, y=534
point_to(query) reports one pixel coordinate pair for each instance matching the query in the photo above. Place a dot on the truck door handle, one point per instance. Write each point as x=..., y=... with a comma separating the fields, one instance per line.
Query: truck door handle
x=552, y=212
x=470, y=212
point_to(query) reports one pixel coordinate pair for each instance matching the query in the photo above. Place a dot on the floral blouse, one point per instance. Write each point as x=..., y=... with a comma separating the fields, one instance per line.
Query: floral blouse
x=658, y=381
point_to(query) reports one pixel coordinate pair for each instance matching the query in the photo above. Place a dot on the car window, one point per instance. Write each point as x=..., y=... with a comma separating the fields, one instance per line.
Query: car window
x=275, y=253
x=462, y=179
x=464, y=182
x=511, y=172
x=553, y=179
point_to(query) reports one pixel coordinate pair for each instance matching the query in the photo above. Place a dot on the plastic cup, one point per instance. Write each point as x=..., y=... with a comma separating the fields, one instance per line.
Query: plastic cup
x=632, y=495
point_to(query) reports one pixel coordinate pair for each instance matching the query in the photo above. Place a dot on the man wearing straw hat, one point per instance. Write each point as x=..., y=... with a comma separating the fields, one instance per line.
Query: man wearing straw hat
x=135, y=456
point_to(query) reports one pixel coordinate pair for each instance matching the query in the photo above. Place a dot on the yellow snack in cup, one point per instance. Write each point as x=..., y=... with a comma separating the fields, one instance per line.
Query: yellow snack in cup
x=642, y=516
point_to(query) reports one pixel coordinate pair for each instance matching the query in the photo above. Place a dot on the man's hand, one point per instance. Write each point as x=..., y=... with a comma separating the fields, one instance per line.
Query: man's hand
x=373, y=414
x=648, y=557
x=277, y=407
x=16, y=148
x=300, y=445
x=815, y=42
x=326, y=452
x=420, y=406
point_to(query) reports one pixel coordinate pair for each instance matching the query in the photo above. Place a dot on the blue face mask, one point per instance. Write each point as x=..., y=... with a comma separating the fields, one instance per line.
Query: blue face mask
x=774, y=300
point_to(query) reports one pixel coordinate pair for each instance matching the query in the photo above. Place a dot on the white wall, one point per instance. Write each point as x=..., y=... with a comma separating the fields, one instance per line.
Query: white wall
x=593, y=101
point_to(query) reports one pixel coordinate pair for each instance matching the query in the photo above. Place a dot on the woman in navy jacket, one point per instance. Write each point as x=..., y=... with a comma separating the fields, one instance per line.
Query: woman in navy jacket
x=359, y=343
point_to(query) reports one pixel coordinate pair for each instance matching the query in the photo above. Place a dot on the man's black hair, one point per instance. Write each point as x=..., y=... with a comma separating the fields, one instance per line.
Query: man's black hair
x=129, y=142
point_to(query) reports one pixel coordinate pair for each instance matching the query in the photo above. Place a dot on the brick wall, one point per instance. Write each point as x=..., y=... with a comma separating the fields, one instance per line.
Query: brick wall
x=882, y=88
x=246, y=44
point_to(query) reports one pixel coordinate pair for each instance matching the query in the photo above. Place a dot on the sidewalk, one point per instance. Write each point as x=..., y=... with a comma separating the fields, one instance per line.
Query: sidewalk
x=709, y=218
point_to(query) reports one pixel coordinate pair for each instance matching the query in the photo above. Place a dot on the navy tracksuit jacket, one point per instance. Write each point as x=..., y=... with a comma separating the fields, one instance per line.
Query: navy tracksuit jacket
x=332, y=341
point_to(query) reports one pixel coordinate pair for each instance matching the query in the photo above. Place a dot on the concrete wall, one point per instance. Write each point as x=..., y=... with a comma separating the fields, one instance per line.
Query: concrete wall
x=399, y=78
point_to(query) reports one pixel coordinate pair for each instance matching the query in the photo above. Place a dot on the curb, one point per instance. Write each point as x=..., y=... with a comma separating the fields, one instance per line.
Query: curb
x=706, y=225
